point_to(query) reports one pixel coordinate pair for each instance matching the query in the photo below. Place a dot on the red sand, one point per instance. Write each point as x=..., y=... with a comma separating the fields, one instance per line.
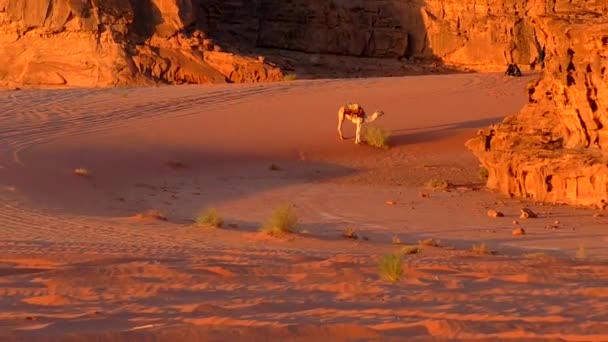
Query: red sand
x=75, y=263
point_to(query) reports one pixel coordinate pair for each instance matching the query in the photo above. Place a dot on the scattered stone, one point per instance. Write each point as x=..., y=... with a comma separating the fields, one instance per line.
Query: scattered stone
x=391, y=203
x=515, y=222
x=424, y=194
x=518, y=231
x=597, y=215
x=82, y=172
x=274, y=167
x=556, y=222
x=526, y=213
x=493, y=213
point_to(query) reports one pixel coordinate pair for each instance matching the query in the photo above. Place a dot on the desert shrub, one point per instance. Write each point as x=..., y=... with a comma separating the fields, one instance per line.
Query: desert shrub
x=406, y=250
x=437, y=184
x=429, y=242
x=391, y=267
x=350, y=233
x=481, y=248
x=377, y=137
x=152, y=214
x=210, y=218
x=283, y=221
x=290, y=77
x=581, y=252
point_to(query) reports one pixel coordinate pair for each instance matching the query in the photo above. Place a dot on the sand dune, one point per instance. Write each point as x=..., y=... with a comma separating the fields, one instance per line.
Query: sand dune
x=76, y=265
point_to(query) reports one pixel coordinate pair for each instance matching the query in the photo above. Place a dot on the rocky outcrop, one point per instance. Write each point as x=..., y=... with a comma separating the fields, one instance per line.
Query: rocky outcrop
x=114, y=42
x=104, y=43
x=478, y=34
x=555, y=149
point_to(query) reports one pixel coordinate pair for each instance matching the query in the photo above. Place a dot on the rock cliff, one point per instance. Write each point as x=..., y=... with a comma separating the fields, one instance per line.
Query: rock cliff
x=554, y=150
x=112, y=42
x=478, y=34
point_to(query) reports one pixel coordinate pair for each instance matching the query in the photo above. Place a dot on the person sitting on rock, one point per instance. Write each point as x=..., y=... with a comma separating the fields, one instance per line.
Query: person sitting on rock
x=513, y=70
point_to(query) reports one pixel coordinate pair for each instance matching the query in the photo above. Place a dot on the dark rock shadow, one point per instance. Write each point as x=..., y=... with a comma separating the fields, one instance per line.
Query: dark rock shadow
x=146, y=18
x=326, y=40
x=433, y=133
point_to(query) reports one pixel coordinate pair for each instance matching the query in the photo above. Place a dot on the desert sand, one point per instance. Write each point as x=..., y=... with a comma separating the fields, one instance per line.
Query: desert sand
x=76, y=262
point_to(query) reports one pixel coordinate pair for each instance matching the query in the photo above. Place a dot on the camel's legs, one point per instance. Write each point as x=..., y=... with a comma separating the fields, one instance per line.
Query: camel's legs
x=358, y=138
x=340, y=122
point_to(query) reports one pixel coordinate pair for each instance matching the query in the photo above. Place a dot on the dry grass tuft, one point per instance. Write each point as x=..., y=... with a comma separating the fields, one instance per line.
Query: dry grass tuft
x=350, y=233
x=481, y=248
x=377, y=137
x=429, y=242
x=581, y=252
x=396, y=240
x=210, y=218
x=391, y=267
x=152, y=214
x=437, y=184
x=283, y=221
x=290, y=77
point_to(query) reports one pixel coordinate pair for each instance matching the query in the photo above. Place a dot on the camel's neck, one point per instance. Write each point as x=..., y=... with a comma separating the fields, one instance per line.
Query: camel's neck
x=371, y=118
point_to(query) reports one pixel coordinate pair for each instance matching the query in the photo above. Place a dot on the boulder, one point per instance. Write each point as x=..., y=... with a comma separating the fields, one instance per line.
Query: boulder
x=554, y=150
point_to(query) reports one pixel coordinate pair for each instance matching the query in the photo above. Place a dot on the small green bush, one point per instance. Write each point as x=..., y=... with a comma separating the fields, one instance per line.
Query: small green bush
x=210, y=218
x=283, y=221
x=290, y=77
x=438, y=184
x=377, y=137
x=391, y=267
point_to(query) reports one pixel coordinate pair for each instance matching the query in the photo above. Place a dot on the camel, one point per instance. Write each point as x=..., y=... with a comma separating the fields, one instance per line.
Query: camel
x=355, y=113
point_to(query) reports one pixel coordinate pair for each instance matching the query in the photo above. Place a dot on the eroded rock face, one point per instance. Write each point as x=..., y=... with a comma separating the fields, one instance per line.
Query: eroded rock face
x=555, y=149
x=478, y=34
x=114, y=42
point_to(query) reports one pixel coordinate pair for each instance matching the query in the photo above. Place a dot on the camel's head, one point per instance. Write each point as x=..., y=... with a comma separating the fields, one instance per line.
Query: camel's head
x=379, y=113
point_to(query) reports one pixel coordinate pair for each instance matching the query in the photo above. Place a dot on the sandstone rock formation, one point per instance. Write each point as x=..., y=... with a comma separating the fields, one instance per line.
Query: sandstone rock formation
x=555, y=149
x=114, y=42
x=103, y=43
x=482, y=35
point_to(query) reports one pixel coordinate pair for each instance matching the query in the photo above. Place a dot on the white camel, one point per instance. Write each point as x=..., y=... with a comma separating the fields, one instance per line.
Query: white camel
x=355, y=113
